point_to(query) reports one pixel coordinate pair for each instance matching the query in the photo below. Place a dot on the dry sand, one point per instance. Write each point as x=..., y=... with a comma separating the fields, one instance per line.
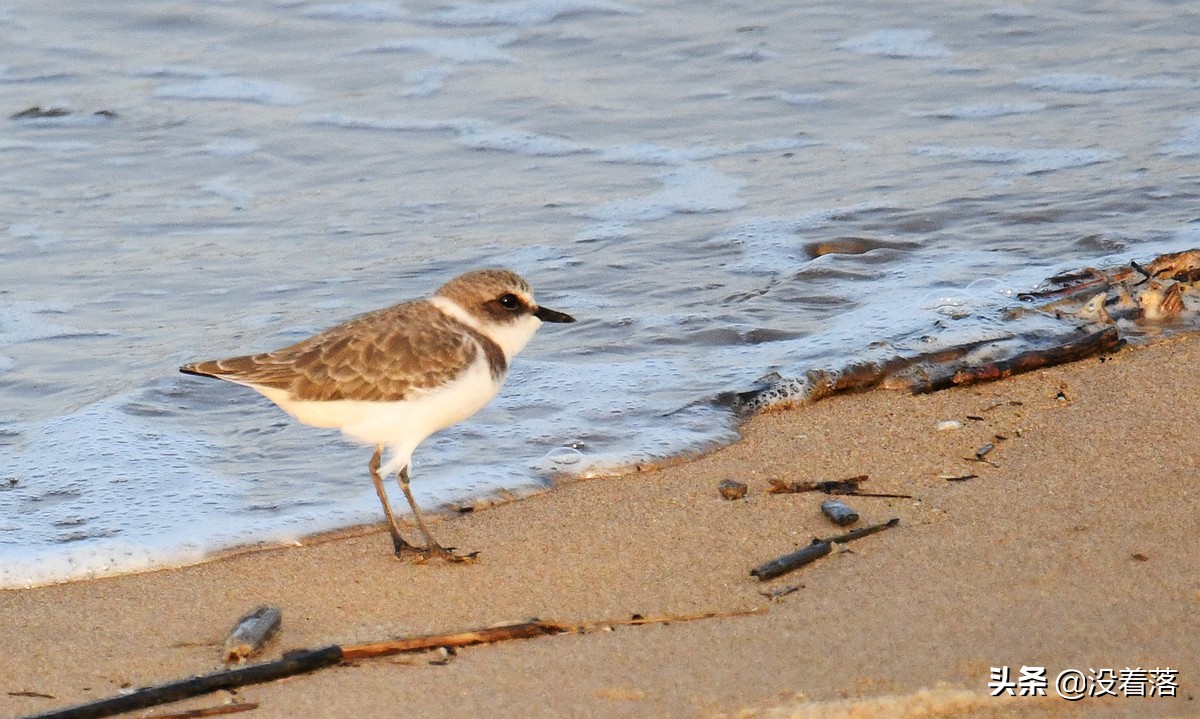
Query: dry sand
x=1078, y=549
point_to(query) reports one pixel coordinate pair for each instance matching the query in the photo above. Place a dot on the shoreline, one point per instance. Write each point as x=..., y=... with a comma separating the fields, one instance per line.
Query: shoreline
x=1159, y=296
x=1071, y=551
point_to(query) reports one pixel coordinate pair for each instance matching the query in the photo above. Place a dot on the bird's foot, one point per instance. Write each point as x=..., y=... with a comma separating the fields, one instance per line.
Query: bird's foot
x=434, y=552
x=437, y=552
x=403, y=550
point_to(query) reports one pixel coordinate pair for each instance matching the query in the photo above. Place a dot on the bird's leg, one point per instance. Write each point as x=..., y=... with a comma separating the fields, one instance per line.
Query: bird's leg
x=432, y=548
x=399, y=546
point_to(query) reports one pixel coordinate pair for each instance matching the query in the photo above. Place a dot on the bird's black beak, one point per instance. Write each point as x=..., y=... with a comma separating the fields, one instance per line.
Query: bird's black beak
x=545, y=314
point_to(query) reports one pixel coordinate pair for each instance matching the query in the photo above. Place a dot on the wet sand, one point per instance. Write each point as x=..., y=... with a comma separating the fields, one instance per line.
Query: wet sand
x=1075, y=548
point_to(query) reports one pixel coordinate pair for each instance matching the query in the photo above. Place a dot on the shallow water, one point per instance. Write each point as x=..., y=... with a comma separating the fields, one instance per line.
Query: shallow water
x=231, y=177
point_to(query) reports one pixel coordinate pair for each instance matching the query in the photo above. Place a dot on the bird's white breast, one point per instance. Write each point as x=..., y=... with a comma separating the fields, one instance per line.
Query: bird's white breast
x=402, y=425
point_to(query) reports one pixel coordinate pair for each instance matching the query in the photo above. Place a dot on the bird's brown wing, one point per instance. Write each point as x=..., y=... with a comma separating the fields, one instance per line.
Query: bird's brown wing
x=383, y=356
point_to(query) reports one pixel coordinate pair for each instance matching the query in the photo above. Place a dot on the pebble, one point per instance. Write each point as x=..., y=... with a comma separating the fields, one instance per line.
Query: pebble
x=731, y=489
x=838, y=512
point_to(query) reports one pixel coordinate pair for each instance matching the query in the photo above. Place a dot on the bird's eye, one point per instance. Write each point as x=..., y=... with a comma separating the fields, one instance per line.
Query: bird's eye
x=510, y=302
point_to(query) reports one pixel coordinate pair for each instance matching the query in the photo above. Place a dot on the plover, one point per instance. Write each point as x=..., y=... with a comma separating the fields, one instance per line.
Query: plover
x=392, y=377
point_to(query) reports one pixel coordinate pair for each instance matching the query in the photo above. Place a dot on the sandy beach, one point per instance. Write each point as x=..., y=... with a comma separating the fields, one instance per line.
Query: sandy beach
x=1073, y=547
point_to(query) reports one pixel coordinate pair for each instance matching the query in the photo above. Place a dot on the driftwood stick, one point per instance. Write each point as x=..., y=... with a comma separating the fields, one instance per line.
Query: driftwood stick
x=782, y=565
x=637, y=621
x=524, y=630
x=1095, y=343
x=861, y=532
x=305, y=661
x=778, y=592
x=1098, y=281
x=819, y=548
x=299, y=663
x=210, y=711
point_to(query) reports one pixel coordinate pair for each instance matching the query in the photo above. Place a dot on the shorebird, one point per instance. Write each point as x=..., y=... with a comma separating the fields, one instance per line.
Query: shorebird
x=392, y=377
